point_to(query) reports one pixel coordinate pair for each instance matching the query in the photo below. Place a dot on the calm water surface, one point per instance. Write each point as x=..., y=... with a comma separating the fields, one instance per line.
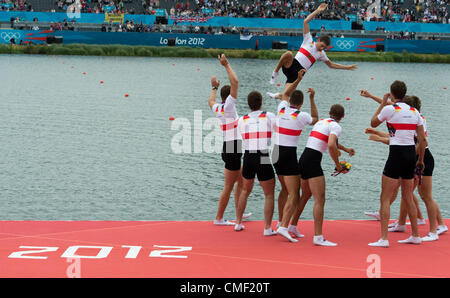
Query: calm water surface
x=75, y=149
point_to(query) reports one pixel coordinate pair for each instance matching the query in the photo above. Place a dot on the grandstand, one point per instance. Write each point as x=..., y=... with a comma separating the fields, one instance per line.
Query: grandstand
x=354, y=11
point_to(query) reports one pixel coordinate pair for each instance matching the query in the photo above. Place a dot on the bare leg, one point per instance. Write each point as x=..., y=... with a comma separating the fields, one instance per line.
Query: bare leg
x=407, y=196
x=317, y=186
x=425, y=191
x=282, y=197
x=230, y=178
x=293, y=189
x=268, y=187
x=247, y=187
x=388, y=187
x=306, y=195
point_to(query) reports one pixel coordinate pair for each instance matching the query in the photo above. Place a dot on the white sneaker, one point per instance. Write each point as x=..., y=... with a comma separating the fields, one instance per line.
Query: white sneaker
x=319, y=240
x=272, y=95
x=375, y=214
x=441, y=229
x=246, y=215
x=420, y=222
x=284, y=232
x=411, y=240
x=274, y=76
x=380, y=243
x=293, y=230
x=430, y=237
x=223, y=222
x=269, y=232
x=397, y=228
x=391, y=225
x=238, y=227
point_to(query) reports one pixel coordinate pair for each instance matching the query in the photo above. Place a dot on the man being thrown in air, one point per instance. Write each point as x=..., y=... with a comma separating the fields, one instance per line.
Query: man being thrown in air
x=307, y=55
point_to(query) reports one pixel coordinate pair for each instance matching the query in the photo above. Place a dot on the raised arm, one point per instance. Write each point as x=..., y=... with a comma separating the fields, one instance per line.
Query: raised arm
x=291, y=88
x=234, y=83
x=314, y=112
x=311, y=16
x=212, y=97
x=367, y=94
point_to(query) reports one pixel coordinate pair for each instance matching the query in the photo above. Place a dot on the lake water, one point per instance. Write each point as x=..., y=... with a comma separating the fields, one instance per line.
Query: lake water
x=75, y=149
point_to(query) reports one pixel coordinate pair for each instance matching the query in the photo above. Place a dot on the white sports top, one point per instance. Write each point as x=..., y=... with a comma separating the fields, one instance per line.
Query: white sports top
x=308, y=54
x=289, y=124
x=228, y=116
x=402, y=121
x=256, y=129
x=318, y=139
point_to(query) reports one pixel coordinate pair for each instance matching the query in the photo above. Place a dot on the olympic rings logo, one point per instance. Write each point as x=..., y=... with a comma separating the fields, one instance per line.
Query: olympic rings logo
x=7, y=36
x=345, y=44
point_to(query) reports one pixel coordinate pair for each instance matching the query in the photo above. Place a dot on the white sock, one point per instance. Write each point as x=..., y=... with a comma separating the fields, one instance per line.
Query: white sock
x=284, y=232
x=269, y=232
x=319, y=240
x=272, y=79
x=272, y=95
x=238, y=227
x=223, y=222
x=380, y=243
x=293, y=230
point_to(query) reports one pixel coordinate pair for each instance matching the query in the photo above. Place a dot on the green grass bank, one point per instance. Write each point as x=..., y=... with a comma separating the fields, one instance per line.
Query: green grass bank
x=148, y=51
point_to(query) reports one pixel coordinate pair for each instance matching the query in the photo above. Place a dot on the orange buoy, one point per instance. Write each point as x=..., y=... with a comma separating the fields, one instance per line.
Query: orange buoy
x=101, y=82
x=171, y=118
x=126, y=95
x=198, y=69
x=347, y=98
x=371, y=78
x=173, y=64
x=445, y=88
x=278, y=84
x=72, y=66
x=84, y=73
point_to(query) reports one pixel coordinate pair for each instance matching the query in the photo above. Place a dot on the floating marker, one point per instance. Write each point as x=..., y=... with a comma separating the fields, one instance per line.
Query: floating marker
x=371, y=78
x=347, y=98
x=84, y=73
x=101, y=82
x=72, y=66
x=198, y=69
x=173, y=64
x=171, y=118
x=278, y=84
x=126, y=95
x=445, y=88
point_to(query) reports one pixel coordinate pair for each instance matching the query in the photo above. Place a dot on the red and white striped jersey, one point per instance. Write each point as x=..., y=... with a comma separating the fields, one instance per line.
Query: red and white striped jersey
x=256, y=129
x=318, y=139
x=308, y=54
x=228, y=116
x=402, y=121
x=289, y=124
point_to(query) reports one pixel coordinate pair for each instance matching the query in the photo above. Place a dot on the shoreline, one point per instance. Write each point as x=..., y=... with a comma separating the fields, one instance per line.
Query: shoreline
x=187, y=52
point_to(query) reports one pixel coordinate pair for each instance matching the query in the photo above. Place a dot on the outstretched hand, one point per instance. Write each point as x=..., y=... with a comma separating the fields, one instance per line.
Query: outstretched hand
x=311, y=92
x=365, y=93
x=223, y=60
x=352, y=67
x=322, y=7
x=214, y=82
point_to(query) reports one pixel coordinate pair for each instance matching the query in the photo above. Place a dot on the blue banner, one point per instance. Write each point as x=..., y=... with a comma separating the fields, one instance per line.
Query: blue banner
x=223, y=41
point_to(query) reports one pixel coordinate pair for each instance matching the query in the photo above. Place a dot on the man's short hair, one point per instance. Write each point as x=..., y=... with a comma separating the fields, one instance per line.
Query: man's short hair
x=254, y=99
x=224, y=92
x=398, y=89
x=337, y=112
x=325, y=39
x=413, y=101
x=296, y=98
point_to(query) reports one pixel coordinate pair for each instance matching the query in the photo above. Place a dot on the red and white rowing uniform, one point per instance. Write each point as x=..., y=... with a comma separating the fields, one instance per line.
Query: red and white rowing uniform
x=308, y=54
x=228, y=117
x=289, y=124
x=256, y=129
x=321, y=131
x=402, y=121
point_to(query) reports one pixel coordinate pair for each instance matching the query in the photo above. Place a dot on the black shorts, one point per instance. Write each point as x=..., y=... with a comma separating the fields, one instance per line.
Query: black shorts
x=428, y=160
x=291, y=73
x=401, y=162
x=310, y=164
x=257, y=163
x=231, y=154
x=285, y=160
